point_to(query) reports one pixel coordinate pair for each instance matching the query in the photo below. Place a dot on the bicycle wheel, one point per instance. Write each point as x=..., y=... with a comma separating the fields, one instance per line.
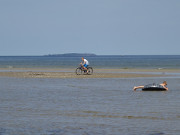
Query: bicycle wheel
x=78, y=71
x=90, y=70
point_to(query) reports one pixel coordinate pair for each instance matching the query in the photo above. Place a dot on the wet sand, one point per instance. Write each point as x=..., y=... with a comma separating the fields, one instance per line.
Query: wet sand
x=98, y=73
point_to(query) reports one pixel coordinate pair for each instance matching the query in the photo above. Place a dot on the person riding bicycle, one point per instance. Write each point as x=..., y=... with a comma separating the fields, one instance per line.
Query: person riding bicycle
x=84, y=63
x=84, y=68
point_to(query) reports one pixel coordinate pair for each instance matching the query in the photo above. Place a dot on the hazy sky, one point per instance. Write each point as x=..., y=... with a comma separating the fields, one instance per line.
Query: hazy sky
x=115, y=27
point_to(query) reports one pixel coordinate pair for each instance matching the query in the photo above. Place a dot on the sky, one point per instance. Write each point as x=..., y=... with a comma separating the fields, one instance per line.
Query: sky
x=102, y=27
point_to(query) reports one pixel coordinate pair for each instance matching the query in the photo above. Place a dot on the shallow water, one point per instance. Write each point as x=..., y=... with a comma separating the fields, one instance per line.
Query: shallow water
x=88, y=107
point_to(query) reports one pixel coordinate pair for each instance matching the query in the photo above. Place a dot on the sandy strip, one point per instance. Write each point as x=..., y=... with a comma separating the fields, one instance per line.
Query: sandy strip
x=98, y=73
x=95, y=70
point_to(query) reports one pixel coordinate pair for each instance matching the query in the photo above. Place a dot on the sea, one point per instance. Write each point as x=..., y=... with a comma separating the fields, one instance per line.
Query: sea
x=99, y=61
x=89, y=106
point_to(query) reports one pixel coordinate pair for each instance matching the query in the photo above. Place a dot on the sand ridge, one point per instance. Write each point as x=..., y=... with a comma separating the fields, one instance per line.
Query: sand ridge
x=70, y=73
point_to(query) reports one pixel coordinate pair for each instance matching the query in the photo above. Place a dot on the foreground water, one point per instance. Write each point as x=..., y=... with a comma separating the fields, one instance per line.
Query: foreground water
x=88, y=107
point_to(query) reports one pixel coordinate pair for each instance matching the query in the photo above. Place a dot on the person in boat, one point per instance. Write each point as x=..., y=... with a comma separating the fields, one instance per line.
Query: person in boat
x=84, y=63
x=164, y=85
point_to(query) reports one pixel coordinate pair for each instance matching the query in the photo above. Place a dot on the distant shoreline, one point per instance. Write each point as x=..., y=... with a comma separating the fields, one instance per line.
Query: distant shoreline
x=72, y=55
x=79, y=55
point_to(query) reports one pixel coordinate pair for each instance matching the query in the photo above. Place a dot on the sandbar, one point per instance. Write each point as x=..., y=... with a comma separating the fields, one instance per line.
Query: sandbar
x=70, y=73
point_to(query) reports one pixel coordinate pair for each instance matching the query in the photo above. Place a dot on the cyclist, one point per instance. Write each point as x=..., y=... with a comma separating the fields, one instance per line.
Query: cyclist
x=84, y=63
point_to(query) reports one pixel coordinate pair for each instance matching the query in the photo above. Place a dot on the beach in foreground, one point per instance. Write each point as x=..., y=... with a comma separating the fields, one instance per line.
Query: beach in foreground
x=98, y=73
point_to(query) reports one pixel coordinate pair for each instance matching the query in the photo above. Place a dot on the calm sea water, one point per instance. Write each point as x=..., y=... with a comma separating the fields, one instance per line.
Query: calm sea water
x=30, y=106
x=42, y=106
x=127, y=61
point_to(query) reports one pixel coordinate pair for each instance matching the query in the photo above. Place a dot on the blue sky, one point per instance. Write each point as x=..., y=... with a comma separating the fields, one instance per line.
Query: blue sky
x=111, y=27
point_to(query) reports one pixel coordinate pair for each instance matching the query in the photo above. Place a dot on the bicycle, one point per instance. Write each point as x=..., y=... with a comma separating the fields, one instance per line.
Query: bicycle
x=80, y=71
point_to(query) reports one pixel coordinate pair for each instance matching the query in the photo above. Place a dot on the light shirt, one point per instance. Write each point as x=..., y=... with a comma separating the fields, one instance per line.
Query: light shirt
x=86, y=62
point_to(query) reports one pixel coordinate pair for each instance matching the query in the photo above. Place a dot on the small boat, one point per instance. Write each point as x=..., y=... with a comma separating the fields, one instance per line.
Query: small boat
x=153, y=87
